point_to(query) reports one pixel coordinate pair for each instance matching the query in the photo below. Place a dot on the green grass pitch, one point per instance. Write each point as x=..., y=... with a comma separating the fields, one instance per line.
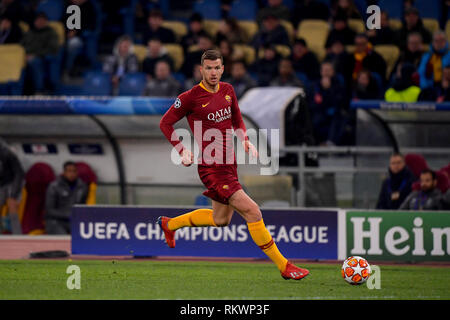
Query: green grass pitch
x=125, y=279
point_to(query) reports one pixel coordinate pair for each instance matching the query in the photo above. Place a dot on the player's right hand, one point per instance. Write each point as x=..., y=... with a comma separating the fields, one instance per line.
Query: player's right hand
x=187, y=158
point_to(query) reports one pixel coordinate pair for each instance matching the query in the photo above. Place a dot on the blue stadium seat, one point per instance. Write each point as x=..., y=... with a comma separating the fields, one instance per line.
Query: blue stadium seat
x=132, y=84
x=428, y=8
x=209, y=9
x=244, y=9
x=180, y=77
x=54, y=9
x=97, y=83
x=393, y=8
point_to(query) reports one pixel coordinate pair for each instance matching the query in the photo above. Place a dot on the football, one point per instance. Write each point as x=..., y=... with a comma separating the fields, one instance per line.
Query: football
x=355, y=270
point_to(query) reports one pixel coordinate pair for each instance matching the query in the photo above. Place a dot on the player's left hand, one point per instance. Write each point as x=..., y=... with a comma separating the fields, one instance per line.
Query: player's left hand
x=250, y=148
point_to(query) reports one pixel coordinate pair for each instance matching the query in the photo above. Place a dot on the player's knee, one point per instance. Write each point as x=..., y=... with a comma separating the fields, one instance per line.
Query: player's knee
x=252, y=212
x=221, y=222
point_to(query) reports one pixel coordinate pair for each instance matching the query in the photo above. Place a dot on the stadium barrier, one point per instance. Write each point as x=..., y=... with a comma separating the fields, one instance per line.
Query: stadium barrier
x=300, y=233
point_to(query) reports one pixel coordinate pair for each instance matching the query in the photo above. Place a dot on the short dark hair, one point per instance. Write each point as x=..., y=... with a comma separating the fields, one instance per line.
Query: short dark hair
x=396, y=153
x=69, y=163
x=426, y=171
x=211, y=54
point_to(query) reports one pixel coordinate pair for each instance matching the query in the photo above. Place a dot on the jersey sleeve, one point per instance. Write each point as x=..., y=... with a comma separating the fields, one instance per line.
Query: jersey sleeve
x=238, y=122
x=180, y=108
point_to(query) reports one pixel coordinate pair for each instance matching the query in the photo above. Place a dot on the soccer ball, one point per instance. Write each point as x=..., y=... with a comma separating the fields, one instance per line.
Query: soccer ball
x=356, y=270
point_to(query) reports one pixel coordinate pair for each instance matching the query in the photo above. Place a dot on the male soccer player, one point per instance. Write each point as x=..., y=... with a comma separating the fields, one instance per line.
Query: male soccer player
x=212, y=105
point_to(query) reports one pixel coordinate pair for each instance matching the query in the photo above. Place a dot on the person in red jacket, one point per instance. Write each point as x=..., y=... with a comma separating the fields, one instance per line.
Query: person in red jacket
x=212, y=105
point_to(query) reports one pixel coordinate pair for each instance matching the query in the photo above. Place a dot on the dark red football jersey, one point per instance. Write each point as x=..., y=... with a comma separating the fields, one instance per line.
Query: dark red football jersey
x=212, y=117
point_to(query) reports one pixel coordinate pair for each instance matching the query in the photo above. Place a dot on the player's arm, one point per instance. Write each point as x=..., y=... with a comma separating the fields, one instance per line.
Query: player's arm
x=239, y=127
x=176, y=112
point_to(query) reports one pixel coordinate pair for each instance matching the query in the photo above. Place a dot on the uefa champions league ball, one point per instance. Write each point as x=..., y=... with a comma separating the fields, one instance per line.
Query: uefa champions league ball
x=356, y=270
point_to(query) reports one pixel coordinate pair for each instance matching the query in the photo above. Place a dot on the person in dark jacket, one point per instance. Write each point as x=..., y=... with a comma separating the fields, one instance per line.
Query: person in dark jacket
x=11, y=182
x=10, y=32
x=155, y=29
x=240, y=79
x=384, y=35
x=66, y=191
x=266, y=68
x=365, y=57
x=366, y=87
x=304, y=60
x=412, y=23
x=397, y=186
x=428, y=197
x=271, y=32
x=341, y=31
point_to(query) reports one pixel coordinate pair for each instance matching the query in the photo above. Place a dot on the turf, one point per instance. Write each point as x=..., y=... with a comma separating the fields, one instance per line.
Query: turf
x=123, y=279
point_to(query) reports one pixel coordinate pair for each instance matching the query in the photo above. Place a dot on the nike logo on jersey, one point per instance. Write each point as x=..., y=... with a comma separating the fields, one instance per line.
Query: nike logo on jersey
x=204, y=105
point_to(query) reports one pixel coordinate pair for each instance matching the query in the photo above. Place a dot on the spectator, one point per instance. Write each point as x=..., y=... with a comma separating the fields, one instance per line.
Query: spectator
x=403, y=88
x=10, y=32
x=266, y=68
x=66, y=191
x=341, y=31
x=229, y=54
x=384, y=35
x=347, y=8
x=304, y=60
x=11, y=182
x=309, y=9
x=413, y=52
x=194, y=54
x=41, y=47
x=122, y=61
x=433, y=61
x=240, y=80
x=194, y=32
x=326, y=107
x=428, y=197
x=365, y=57
x=439, y=93
x=412, y=23
x=83, y=41
x=366, y=87
x=397, y=186
x=271, y=32
x=164, y=84
x=156, y=52
x=196, y=77
x=341, y=59
x=286, y=75
x=230, y=30
x=276, y=8
x=155, y=29
x=13, y=9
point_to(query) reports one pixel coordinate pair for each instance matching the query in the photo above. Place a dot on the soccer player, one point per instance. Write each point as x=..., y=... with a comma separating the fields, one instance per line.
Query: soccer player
x=213, y=105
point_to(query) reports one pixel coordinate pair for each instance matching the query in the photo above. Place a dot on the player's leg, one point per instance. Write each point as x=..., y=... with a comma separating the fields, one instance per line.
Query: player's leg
x=250, y=211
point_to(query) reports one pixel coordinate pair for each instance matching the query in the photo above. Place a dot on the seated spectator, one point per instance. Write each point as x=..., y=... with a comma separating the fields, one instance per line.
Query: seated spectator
x=326, y=107
x=309, y=9
x=271, y=32
x=384, y=35
x=10, y=32
x=366, y=87
x=122, y=61
x=195, y=30
x=266, y=68
x=229, y=54
x=433, y=61
x=347, y=8
x=11, y=182
x=240, y=79
x=83, y=41
x=275, y=7
x=365, y=57
x=286, y=75
x=397, y=186
x=403, y=89
x=428, y=197
x=194, y=55
x=230, y=30
x=155, y=29
x=41, y=47
x=340, y=31
x=156, y=52
x=163, y=84
x=304, y=60
x=440, y=93
x=412, y=23
x=413, y=52
x=196, y=77
x=341, y=59
x=63, y=193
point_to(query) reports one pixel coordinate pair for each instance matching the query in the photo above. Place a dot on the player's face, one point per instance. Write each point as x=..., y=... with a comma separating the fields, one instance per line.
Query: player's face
x=212, y=71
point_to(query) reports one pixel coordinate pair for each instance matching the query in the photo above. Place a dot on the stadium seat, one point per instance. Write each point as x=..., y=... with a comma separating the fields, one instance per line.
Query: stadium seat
x=97, y=83
x=249, y=52
x=430, y=24
x=357, y=25
x=395, y=8
x=244, y=9
x=24, y=27
x=249, y=27
x=416, y=163
x=287, y=25
x=140, y=51
x=37, y=179
x=395, y=24
x=89, y=177
x=209, y=9
x=315, y=33
x=175, y=51
x=390, y=53
x=179, y=76
x=178, y=27
x=132, y=84
x=447, y=30
x=12, y=71
x=54, y=9
x=211, y=27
